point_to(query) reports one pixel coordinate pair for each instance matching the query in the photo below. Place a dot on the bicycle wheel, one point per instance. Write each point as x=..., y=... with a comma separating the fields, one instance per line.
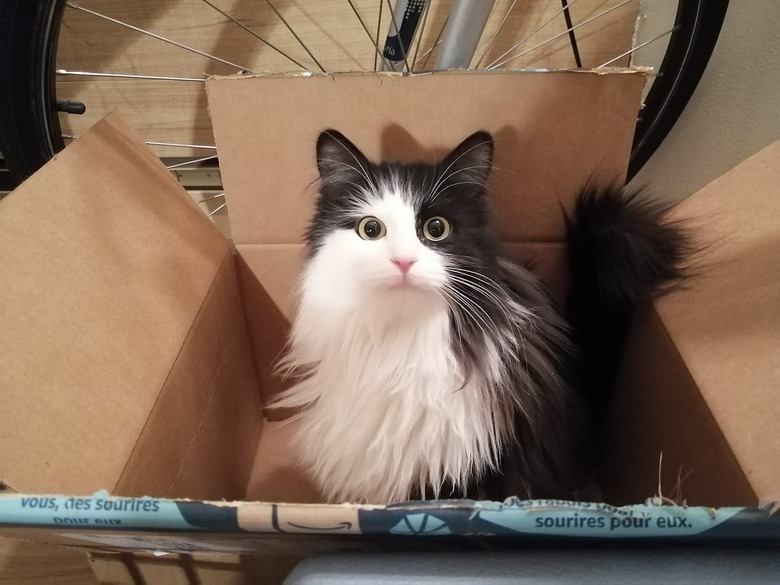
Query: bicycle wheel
x=41, y=97
x=29, y=123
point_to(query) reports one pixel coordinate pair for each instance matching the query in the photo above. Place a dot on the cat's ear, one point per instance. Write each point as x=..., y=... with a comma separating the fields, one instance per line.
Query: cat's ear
x=340, y=161
x=472, y=159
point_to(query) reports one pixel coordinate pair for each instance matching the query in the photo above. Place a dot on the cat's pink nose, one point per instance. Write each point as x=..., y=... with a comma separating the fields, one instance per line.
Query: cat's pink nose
x=404, y=264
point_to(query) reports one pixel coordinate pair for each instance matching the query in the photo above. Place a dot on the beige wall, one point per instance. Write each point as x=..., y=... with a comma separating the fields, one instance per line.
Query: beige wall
x=735, y=111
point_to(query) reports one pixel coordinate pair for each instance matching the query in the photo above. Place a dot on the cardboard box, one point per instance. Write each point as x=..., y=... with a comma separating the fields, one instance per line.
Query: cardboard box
x=135, y=344
x=702, y=371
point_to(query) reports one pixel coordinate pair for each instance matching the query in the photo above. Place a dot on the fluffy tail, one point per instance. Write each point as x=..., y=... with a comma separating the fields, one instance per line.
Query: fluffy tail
x=623, y=253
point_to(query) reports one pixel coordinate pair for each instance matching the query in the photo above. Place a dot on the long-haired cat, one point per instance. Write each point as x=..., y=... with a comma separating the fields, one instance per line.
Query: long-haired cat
x=425, y=364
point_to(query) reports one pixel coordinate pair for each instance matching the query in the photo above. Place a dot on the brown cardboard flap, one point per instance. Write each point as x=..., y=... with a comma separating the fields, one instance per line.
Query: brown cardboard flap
x=277, y=475
x=726, y=324
x=105, y=264
x=553, y=132
x=200, y=438
x=661, y=433
x=267, y=277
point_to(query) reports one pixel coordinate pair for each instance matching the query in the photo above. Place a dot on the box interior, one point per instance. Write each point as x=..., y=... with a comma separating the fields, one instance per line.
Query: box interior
x=553, y=131
x=124, y=367
x=136, y=346
x=703, y=367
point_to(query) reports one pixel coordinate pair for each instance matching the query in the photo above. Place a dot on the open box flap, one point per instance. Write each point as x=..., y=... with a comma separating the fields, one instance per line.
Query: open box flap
x=726, y=323
x=266, y=130
x=697, y=410
x=105, y=265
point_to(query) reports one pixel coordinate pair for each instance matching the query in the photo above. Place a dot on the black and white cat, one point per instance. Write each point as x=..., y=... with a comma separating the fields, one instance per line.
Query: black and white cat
x=425, y=363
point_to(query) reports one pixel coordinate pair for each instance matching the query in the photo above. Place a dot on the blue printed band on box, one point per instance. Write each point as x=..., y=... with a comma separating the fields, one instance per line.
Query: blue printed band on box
x=100, y=519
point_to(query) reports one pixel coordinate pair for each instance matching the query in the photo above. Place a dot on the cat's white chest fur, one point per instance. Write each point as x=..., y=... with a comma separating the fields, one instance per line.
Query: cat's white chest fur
x=388, y=410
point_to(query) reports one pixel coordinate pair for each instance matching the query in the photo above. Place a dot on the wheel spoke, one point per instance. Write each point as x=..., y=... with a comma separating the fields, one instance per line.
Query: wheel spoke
x=192, y=162
x=631, y=51
x=572, y=37
x=525, y=39
x=222, y=206
x=365, y=28
x=567, y=31
x=254, y=34
x=218, y=196
x=426, y=54
x=177, y=145
x=127, y=76
x=495, y=35
x=297, y=38
x=436, y=43
x=154, y=143
x=378, y=27
x=158, y=37
x=422, y=31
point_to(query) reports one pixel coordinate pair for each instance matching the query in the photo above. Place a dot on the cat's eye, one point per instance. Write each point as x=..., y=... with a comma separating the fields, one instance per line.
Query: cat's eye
x=370, y=228
x=436, y=229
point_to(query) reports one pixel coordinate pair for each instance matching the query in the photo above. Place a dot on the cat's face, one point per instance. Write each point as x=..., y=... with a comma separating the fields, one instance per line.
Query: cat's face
x=401, y=229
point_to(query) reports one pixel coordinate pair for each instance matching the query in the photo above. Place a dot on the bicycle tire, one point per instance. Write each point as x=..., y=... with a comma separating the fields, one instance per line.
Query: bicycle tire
x=687, y=56
x=30, y=131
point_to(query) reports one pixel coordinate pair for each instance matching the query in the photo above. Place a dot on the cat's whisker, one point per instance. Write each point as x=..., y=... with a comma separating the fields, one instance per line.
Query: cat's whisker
x=525, y=351
x=463, y=329
x=360, y=171
x=467, y=303
x=455, y=185
x=431, y=197
x=461, y=155
x=500, y=304
x=498, y=301
x=352, y=154
x=433, y=194
x=444, y=177
x=497, y=295
x=459, y=269
x=452, y=295
x=471, y=302
x=453, y=304
x=478, y=275
x=486, y=293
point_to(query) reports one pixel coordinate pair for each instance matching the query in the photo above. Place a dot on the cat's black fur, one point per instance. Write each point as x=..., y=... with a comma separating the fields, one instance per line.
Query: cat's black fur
x=622, y=253
x=346, y=174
